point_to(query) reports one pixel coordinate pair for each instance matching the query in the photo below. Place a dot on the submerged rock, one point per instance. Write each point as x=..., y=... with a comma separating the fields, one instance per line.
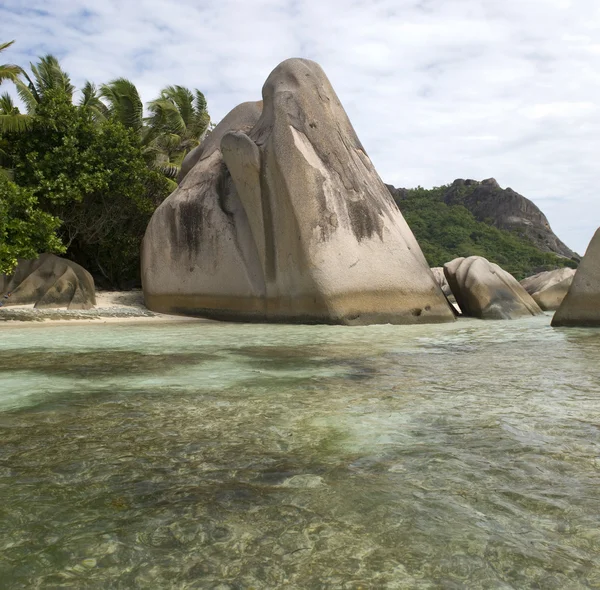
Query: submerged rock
x=287, y=221
x=581, y=305
x=49, y=282
x=549, y=288
x=484, y=290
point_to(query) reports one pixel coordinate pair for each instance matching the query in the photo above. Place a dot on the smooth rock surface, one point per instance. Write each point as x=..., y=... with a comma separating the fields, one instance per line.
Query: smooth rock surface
x=581, y=305
x=440, y=277
x=486, y=291
x=549, y=288
x=288, y=222
x=49, y=282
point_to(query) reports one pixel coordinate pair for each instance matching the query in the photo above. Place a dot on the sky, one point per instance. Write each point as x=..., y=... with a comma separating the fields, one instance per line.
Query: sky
x=436, y=89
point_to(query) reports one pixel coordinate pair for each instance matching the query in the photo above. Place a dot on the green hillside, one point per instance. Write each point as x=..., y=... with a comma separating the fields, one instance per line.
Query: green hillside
x=446, y=231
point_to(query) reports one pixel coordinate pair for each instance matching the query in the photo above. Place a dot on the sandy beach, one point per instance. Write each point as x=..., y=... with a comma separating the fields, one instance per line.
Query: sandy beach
x=111, y=307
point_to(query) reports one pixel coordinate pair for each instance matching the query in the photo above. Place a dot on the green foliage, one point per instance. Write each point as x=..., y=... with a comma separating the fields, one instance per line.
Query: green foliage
x=88, y=177
x=92, y=176
x=25, y=230
x=177, y=120
x=445, y=232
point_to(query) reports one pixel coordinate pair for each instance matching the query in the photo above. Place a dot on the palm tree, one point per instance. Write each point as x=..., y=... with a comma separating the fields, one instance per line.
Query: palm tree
x=178, y=120
x=47, y=75
x=8, y=71
x=11, y=120
x=90, y=100
x=124, y=103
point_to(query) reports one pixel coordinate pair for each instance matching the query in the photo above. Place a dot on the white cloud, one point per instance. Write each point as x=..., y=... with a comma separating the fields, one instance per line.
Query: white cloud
x=437, y=89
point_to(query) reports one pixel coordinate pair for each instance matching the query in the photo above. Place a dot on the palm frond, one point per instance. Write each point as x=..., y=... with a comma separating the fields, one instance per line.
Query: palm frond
x=200, y=102
x=9, y=71
x=4, y=46
x=183, y=99
x=124, y=103
x=15, y=123
x=165, y=116
x=7, y=106
x=49, y=75
x=90, y=100
x=28, y=94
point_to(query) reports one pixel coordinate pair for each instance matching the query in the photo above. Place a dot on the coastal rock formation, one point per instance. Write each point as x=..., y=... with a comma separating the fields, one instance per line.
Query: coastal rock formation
x=241, y=118
x=484, y=290
x=549, y=288
x=287, y=221
x=48, y=282
x=440, y=277
x=581, y=305
x=498, y=207
x=507, y=209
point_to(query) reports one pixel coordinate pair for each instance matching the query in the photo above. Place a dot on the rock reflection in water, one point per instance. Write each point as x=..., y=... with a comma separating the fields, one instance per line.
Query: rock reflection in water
x=309, y=457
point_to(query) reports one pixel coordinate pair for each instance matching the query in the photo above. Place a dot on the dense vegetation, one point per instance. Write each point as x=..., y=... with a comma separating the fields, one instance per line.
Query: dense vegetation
x=83, y=179
x=445, y=232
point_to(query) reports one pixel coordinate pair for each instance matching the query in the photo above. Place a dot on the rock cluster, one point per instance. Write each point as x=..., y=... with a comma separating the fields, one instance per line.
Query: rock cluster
x=440, y=277
x=581, y=305
x=48, y=282
x=281, y=216
x=549, y=288
x=484, y=290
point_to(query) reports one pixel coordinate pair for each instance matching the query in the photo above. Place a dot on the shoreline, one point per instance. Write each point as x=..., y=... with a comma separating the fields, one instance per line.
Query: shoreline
x=112, y=307
x=101, y=320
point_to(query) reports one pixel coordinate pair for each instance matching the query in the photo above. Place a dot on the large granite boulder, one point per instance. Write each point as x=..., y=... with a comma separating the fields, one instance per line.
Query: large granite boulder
x=48, y=282
x=484, y=290
x=581, y=305
x=287, y=221
x=241, y=118
x=549, y=288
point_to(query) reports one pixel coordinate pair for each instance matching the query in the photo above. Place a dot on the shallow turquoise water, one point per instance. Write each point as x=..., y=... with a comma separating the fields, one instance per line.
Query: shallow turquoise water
x=251, y=456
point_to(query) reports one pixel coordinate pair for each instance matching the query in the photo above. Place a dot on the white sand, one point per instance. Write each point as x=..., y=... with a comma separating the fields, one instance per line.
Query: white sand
x=112, y=307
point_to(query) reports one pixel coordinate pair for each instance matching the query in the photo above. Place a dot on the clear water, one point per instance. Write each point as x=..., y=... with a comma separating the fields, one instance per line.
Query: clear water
x=244, y=456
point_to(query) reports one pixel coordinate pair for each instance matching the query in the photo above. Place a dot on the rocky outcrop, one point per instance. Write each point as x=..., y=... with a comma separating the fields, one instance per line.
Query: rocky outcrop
x=581, y=305
x=484, y=290
x=287, y=221
x=440, y=277
x=507, y=209
x=48, y=282
x=549, y=288
x=241, y=118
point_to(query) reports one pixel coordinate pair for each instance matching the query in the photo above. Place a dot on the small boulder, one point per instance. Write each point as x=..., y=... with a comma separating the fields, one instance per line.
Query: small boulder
x=440, y=277
x=484, y=290
x=48, y=282
x=581, y=305
x=549, y=288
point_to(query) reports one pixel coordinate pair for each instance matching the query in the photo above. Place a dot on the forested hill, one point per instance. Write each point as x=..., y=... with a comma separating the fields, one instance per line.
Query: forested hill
x=470, y=218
